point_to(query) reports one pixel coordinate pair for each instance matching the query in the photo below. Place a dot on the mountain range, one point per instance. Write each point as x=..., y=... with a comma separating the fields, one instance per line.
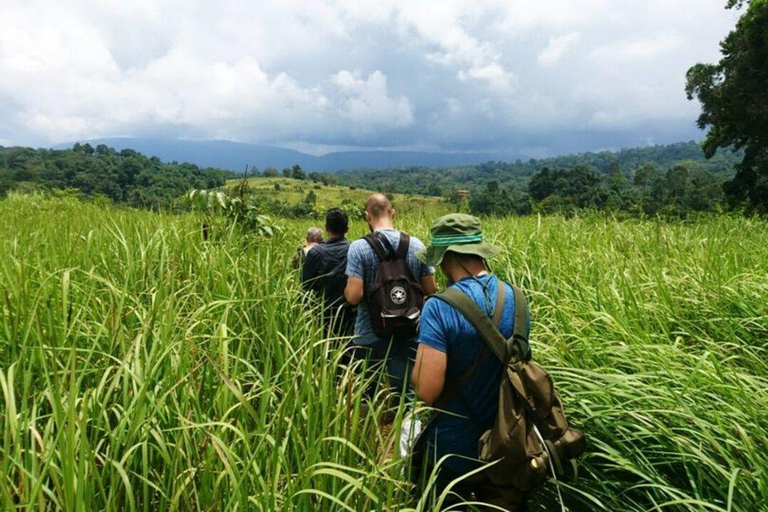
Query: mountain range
x=236, y=156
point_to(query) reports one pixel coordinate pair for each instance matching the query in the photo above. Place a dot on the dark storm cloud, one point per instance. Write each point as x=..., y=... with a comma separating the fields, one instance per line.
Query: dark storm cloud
x=520, y=76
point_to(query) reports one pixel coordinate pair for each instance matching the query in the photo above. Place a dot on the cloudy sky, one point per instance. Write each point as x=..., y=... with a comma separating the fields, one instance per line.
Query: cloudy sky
x=528, y=77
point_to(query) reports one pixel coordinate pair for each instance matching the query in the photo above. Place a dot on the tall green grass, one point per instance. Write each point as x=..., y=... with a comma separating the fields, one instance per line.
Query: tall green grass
x=142, y=368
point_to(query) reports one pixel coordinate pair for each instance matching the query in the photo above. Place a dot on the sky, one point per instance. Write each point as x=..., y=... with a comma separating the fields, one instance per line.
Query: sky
x=524, y=77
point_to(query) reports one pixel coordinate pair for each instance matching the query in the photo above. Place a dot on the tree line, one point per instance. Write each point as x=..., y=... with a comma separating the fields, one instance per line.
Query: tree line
x=648, y=190
x=126, y=177
x=515, y=175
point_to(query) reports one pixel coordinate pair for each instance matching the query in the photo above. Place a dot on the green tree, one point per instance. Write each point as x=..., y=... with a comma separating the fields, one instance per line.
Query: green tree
x=298, y=173
x=493, y=201
x=733, y=95
x=645, y=175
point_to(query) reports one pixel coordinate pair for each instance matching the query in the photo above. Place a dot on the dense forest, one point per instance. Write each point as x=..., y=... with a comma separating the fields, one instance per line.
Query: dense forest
x=515, y=175
x=124, y=177
x=648, y=190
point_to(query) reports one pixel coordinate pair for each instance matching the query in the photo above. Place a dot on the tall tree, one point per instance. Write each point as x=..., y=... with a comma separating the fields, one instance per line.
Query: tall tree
x=733, y=95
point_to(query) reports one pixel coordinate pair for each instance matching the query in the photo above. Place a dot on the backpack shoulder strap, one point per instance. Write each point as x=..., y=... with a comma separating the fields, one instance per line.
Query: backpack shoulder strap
x=520, y=331
x=375, y=244
x=403, y=245
x=501, y=297
x=507, y=351
x=462, y=381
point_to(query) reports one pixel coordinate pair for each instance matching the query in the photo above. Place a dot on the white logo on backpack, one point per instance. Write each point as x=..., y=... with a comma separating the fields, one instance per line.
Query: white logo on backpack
x=398, y=295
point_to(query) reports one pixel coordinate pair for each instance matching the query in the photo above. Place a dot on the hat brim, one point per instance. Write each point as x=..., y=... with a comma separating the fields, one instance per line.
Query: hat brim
x=433, y=255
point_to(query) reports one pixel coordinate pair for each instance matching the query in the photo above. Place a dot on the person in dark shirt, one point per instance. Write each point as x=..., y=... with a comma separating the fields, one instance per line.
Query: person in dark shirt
x=323, y=273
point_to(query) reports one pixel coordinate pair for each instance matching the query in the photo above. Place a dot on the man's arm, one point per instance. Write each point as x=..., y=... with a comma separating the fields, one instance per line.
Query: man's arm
x=428, y=377
x=426, y=275
x=428, y=284
x=353, y=293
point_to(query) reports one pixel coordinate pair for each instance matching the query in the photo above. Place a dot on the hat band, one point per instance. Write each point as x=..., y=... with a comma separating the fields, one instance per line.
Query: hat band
x=446, y=240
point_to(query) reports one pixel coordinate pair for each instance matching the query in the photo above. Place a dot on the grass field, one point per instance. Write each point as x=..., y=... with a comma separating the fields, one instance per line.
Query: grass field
x=290, y=191
x=144, y=369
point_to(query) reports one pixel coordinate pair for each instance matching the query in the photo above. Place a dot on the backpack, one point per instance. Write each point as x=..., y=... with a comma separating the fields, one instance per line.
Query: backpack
x=397, y=297
x=530, y=437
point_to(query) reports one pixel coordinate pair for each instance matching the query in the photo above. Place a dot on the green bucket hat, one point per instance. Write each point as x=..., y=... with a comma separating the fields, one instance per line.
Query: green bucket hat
x=459, y=233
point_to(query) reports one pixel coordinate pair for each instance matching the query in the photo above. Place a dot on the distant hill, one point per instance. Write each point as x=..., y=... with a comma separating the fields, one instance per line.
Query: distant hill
x=235, y=156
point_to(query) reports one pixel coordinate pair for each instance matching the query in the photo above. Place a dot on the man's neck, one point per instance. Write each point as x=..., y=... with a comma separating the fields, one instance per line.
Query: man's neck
x=381, y=225
x=472, y=270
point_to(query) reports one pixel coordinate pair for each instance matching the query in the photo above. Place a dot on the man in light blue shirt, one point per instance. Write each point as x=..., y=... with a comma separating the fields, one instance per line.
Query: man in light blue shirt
x=362, y=264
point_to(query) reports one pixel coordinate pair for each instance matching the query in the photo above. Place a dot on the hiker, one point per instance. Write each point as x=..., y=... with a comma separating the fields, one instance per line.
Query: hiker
x=454, y=370
x=324, y=273
x=314, y=237
x=388, y=305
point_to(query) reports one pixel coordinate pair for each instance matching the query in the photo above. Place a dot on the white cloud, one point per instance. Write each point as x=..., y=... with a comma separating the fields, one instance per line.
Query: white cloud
x=368, y=104
x=557, y=48
x=492, y=74
x=633, y=50
x=343, y=73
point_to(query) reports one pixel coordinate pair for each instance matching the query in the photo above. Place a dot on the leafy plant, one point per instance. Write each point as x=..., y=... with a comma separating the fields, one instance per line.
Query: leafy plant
x=243, y=212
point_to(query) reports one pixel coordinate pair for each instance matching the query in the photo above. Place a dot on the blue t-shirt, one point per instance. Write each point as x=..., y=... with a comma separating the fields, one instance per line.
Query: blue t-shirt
x=362, y=263
x=445, y=329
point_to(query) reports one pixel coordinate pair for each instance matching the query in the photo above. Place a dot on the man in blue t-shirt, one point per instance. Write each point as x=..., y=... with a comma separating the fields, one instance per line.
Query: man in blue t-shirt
x=362, y=264
x=448, y=347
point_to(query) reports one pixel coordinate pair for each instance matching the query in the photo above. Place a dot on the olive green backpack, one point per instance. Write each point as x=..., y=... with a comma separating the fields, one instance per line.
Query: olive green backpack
x=530, y=438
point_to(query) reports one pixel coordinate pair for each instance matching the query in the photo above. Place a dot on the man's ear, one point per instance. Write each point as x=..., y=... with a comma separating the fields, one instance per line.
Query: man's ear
x=392, y=215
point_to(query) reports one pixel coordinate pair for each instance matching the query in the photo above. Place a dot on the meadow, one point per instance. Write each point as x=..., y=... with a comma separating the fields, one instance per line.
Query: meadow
x=142, y=368
x=289, y=191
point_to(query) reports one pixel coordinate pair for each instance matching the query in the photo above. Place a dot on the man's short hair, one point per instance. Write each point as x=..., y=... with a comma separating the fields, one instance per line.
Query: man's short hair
x=378, y=205
x=336, y=221
x=464, y=259
x=314, y=235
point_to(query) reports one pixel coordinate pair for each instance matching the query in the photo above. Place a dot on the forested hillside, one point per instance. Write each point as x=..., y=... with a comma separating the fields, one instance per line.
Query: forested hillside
x=669, y=180
x=513, y=174
x=124, y=177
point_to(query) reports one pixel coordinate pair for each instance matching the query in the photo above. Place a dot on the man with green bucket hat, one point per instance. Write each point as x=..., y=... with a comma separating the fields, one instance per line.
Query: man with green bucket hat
x=452, y=370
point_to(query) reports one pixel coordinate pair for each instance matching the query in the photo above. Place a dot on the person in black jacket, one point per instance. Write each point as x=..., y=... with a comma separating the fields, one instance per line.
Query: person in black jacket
x=323, y=273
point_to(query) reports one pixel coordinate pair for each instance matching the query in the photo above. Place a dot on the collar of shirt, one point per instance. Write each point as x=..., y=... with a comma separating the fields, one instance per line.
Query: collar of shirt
x=478, y=276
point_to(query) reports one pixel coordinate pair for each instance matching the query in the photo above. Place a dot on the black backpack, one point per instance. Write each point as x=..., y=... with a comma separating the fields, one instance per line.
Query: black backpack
x=397, y=298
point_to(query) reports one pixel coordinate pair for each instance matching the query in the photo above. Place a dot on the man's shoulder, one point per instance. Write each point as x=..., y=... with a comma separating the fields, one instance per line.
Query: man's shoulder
x=357, y=245
x=416, y=244
x=315, y=250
